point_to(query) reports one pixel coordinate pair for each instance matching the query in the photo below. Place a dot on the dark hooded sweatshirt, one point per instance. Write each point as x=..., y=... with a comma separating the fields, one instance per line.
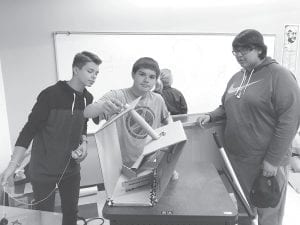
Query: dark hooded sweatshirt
x=261, y=124
x=174, y=100
x=55, y=125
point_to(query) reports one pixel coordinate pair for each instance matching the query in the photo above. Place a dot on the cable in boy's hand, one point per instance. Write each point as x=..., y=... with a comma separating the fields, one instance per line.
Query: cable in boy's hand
x=80, y=153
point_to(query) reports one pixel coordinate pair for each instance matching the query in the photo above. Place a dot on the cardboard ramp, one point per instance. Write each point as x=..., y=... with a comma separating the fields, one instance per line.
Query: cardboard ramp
x=294, y=181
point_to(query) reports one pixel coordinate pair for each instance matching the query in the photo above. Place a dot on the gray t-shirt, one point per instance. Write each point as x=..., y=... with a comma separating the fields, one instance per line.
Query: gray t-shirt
x=132, y=136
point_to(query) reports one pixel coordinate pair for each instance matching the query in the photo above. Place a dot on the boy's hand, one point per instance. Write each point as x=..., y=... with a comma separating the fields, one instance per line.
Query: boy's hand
x=112, y=106
x=7, y=173
x=83, y=149
x=203, y=119
x=268, y=169
x=175, y=175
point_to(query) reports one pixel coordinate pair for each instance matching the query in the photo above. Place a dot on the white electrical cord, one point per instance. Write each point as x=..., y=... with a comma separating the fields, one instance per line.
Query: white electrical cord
x=38, y=202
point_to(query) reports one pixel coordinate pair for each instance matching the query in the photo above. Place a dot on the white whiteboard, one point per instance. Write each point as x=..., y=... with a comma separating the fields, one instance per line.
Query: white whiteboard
x=201, y=64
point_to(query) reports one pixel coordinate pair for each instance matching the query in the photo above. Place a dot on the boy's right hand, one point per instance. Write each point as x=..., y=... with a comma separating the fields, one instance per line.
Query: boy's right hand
x=112, y=106
x=203, y=119
x=7, y=173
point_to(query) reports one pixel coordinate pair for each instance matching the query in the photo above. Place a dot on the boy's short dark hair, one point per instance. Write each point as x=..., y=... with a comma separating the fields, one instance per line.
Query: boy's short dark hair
x=148, y=63
x=82, y=58
x=250, y=39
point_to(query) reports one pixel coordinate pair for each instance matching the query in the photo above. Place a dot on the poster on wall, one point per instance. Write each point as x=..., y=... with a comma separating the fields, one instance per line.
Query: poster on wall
x=290, y=47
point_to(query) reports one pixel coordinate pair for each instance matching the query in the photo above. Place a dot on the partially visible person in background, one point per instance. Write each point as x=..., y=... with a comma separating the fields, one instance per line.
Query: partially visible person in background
x=158, y=86
x=174, y=99
x=261, y=105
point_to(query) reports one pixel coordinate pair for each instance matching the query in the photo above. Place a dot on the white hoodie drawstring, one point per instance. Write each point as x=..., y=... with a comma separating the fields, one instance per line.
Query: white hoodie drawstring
x=74, y=100
x=239, y=91
x=73, y=103
x=248, y=81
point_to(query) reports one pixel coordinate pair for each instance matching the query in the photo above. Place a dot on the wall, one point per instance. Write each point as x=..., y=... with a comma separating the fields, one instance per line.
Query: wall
x=5, y=145
x=26, y=43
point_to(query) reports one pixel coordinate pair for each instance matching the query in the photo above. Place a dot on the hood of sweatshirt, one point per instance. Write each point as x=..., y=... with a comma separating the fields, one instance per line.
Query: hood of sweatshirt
x=244, y=79
x=267, y=61
x=64, y=85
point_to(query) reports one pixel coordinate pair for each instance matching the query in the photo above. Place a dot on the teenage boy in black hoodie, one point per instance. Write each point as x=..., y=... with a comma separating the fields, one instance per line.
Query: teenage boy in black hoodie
x=57, y=127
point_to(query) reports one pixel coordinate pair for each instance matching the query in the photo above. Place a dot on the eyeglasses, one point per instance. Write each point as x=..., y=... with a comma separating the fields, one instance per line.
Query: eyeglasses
x=241, y=52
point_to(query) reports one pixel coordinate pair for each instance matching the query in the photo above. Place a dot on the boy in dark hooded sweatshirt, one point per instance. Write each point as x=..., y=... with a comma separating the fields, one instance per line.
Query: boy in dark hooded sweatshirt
x=57, y=127
x=261, y=106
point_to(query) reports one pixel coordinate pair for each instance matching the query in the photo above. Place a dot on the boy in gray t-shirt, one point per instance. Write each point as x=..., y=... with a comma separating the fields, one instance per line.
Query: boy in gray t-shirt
x=151, y=107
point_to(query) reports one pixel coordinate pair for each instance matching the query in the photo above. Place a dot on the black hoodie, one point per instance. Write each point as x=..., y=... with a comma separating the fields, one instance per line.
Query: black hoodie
x=55, y=125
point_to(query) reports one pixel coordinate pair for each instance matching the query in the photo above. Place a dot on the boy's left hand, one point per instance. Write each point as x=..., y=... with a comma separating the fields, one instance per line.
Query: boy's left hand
x=268, y=169
x=83, y=149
